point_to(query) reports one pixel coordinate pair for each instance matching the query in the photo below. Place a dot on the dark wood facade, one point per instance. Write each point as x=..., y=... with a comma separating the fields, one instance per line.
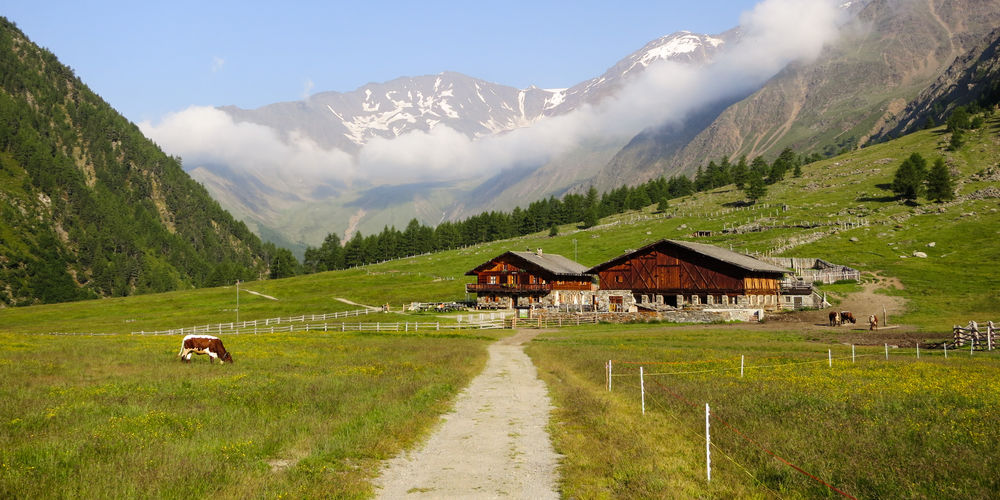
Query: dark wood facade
x=672, y=269
x=517, y=278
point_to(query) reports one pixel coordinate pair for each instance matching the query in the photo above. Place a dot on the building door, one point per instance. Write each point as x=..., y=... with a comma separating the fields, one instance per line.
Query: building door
x=616, y=303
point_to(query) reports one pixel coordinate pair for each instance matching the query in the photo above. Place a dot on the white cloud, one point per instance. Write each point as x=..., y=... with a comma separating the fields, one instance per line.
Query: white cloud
x=205, y=135
x=776, y=32
x=307, y=88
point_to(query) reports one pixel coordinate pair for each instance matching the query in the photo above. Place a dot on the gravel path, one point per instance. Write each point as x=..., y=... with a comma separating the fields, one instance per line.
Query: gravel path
x=493, y=443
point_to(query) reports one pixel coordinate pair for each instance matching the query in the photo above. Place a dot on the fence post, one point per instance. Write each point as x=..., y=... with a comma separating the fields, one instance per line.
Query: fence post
x=741, y=366
x=708, y=444
x=642, y=390
x=918, y=350
x=852, y=353
x=887, y=352
x=609, y=375
x=945, y=350
x=829, y=357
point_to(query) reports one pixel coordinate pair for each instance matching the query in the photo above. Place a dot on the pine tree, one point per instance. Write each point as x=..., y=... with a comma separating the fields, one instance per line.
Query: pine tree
x=663, y=205
x=908, y=183
x=741, y=172
x=957, y=140
x=590, y=217
x=939, y=184
x=756, y=189
x=959, y=119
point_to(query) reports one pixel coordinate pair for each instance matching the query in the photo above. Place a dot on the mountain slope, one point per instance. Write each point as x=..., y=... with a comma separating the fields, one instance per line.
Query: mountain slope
x=473, y=107
x=404, y=109
x=973, y=77
x=90, y=206
x=890, y=52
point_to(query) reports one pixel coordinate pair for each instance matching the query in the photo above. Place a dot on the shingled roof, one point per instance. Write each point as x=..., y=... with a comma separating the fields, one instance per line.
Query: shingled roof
x=553, y=263
x=721, y=254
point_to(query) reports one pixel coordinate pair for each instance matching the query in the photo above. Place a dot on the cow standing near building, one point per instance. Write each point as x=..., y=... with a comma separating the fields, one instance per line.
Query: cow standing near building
x=846, y=316
x=872, y=322
x=834, y=318
x=204, y=344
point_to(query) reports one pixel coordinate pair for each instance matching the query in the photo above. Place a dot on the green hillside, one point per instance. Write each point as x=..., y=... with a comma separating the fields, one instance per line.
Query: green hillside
x=90, y=207
x=954, y=283
x=314, y=414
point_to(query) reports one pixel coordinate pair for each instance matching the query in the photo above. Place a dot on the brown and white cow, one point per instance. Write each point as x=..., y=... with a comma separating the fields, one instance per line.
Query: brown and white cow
x=834, y=318
x=872, y=322
x=846, y=316
x=204, y=344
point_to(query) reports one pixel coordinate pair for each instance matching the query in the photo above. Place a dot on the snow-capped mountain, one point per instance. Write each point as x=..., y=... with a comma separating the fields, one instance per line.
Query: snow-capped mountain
x=477, y=109
x=474, y=107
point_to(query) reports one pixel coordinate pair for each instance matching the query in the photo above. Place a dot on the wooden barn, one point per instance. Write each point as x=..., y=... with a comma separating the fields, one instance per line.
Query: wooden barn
x=528, y=278
x=677, y=273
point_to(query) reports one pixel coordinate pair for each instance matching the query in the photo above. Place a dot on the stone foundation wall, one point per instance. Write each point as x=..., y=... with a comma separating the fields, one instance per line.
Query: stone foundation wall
x=673, y=316
x=626, y=301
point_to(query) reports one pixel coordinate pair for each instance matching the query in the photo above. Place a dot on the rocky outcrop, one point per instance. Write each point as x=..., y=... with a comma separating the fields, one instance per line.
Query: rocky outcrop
x=970, y=79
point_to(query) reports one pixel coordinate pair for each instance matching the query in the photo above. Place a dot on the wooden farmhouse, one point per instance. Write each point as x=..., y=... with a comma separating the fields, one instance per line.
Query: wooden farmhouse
x=530, y=279
x=679, y=273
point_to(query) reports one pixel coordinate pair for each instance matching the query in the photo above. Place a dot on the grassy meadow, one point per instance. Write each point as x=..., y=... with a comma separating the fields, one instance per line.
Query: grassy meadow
x=299, y=416
x=307, y=415
x=902, y=428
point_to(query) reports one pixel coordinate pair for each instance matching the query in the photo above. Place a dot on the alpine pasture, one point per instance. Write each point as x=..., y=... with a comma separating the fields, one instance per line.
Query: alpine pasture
x=308, y=414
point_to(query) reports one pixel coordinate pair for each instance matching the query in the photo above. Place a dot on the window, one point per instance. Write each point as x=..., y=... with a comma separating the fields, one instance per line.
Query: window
x=493, y=280
x=618, y=278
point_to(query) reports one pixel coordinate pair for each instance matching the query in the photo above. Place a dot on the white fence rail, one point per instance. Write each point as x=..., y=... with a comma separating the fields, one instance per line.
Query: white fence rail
x=260, y=323
x=405, y=326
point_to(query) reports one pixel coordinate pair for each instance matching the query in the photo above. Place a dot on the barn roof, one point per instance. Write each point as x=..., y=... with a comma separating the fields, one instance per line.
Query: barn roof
x=721, y=254
x=550, y=262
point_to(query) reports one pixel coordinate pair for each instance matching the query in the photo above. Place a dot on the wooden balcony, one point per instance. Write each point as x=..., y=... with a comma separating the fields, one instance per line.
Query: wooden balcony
x=528, y=288
x=505, y=288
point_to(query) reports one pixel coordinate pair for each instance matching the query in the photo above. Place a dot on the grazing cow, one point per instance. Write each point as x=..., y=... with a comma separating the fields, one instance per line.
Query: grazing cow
x=846, y=316
x=834, y=318
x=872, y=322
x=204, y=344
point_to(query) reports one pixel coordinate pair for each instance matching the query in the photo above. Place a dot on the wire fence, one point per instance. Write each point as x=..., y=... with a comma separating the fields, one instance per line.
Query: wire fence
x=665, y=369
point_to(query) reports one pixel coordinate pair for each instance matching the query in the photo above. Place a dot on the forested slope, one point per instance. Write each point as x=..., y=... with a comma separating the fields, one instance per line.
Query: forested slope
x=91, y=208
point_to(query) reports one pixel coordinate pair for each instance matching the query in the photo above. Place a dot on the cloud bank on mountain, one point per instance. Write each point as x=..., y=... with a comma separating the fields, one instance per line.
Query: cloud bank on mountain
x=775, y=33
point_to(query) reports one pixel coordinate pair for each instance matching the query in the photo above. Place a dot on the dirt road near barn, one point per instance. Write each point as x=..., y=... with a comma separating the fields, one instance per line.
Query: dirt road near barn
x=492, y=444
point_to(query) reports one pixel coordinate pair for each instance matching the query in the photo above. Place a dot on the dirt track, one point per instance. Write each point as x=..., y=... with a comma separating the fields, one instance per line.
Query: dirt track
x=493, y=443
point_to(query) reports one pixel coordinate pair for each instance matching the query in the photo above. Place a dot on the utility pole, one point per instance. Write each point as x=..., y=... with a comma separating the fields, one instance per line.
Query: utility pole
x=237, y=301
x=574, y=251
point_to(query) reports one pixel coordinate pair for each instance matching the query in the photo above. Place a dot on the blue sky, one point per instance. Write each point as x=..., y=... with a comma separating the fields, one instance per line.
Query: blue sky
x=151, y=58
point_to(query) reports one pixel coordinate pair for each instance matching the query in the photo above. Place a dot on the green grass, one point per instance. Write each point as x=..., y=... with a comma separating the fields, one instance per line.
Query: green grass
x=903, y=428
x=300, y=416
x=333, y=405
